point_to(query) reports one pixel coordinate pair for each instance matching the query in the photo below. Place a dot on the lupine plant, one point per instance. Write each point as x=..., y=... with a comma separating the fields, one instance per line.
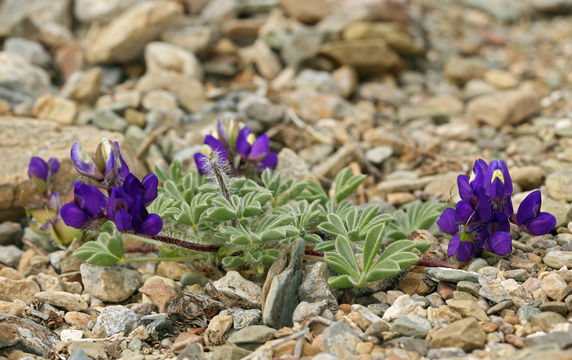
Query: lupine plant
x=480, y=222
x=215, y=214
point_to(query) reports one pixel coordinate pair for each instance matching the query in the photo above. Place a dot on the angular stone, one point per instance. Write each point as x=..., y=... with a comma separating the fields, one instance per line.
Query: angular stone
x=465, y=333
x=189, y=91
x=125, y=37
x=544, y=321
x=21, y=81
x=234, y=285
x=508, y=107
x=55, y=108
x=24, y=290
x=158, y=292
x=468, y=308
x=366, y=56
x=403, y=305
x=411, y=325
x=117, y=318
x=282, y=297
x=111, y=284
x=492, y=289
x=255, y=334
x=83, y=86
x=553, y=285
x=25, y=335
x=340, y=340
x=451, y=275
x=162, y=57
x=70, y=302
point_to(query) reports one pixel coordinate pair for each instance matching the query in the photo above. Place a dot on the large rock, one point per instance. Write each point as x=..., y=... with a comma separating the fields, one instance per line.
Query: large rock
x=25, y=335
x=125, y=37
x=559, y=184
x=505, y=107
x=111, y=284
x=20, y=80
x=24, y=138
x=395, y=35
x=366, y=56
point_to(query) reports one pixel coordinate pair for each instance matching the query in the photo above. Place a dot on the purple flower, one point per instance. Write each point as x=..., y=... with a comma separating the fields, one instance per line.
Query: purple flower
x=461, y=245
x=255, y=150
x=498, y=187
x=88, y=204
x=106, y=166
x=531, y=219
x=126, y=205
x=214, y=150
x=40, y=171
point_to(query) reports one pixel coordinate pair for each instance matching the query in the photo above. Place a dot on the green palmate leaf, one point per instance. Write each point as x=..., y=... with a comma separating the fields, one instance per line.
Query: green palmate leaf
x=371, y=245
x=419, y=216
x=221, y=213
x=344, y=249
x=340, y=265
x=383, y=270
x=230, y=262
x=346, y=184
x=106, y=250
x=342, y=281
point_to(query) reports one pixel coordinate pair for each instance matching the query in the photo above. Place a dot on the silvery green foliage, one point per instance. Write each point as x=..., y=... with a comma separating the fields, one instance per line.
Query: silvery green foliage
x=417, y=217
x=107, y=249
x=253, y=222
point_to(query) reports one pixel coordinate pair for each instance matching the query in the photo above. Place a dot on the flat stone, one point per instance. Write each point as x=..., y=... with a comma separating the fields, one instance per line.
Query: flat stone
x=403, y=305
x=234, y=285
x=366, y=56
x=10, y=255
x=557, y=259
x=117, y=318
x=553, y=285
x=505, y=304
x=55, y=108
x=492, y=289
x=228, y=352
x=562, y=339
x=24, y=290
x=255, y=334
x=411, y=325
x=111, y=284
x=340, y=340
x=544, y=321
x=508, y=107
x=465, y=333
x=282, y=297
x=25, y=335
x=558, y=307
x=158, y=292
x=62, y=299
x=559, y=184
x=451, y=275
x=468, y=308
x=243, y=318
x=124, y=38
x=21, y=80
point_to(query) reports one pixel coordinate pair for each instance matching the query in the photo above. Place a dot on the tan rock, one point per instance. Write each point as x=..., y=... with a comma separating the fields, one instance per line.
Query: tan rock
x=501, y=108
x=13, y=308
x=172, y=270
x=189, y=91
x=501, y=79
x=461, y=70
x=528, y=177
x=394, y=34
x=468, y=308
x=308, y=11
x=366, y=56
x=218, y=326
x=70, y=302
x=161, y=56
x=158, y=292
x=55, y=108
x=24, y=290
x=266, y=61
x=24, y=138
x=465, y=333
x=125, y=37
x=83, y=86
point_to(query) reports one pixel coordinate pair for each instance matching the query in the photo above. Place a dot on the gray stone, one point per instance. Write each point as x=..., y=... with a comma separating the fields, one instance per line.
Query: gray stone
x=243, y=318
x=20, y=80
x=282, y=296
x=559, y=184
x=469, y=287
x=10, y=255
x=10, y=234
x=111, y=284
x=378, y=154
x=302, y=45
x=412, y=325
x=446, y=353
x=503, y=10
x=518, y=274
x=477, y=264
x=557, y=259
x=235, y=286
x=340, y=340
x=31, y=50
x=261, y=109
x=442, y=106
x=562, y=339
x=451, y=275
x=117, y=318
x=321, y=81
x=252, y=335
x=79, y=354
x=108, y=120
x=158, y=325
x=505, y=304
x=25, y=335
x=305, y=310
x=525, y=312
x=492, y=289
x=314, y=287
x=227, y=352
x=558, y=307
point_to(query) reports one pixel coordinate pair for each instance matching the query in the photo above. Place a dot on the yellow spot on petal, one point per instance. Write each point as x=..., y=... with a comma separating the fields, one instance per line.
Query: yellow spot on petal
x=473, y=176
x=251, y=139
x=497, y=174
x=206, y=150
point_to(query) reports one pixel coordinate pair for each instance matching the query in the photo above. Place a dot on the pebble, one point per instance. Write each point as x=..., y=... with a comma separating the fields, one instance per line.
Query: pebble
x=403, y=305
x=261, y=109
x=62, y=299
x=508, y=107
x=340, y=340
x=10, y=234
x=24, y=290
x=26, y=335
x=111, y=284
x=117, y=318
x=215, y=332
x=411, y=325
x=233, y=284
x=69, y=335
x=557, y=259
x=314, y=287
x=109, y=120
x=253, y=335
x=553, y=285
x=451, y=275
x=243, y=318
x=492, y=289
x=10, y=255
x=159, y=291
x=559, y=184
x=465, y=334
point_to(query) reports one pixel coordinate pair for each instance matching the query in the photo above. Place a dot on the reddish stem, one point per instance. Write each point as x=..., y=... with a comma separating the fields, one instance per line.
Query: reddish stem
x=141, y=249
x=186, y=244
x=314, y=253
x=434, y=263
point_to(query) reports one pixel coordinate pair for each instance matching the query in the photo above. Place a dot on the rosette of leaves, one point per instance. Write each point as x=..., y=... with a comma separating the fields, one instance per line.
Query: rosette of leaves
x=417, y=216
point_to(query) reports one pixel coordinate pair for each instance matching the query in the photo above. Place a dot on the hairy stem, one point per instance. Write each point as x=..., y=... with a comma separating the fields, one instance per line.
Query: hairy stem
x=435, y=263
x=177, y=242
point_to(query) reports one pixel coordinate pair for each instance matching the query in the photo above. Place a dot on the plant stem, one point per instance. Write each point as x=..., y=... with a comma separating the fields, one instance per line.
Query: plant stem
x=141, y=249
x=177, y=242
x=435, y=263
x=179, y=258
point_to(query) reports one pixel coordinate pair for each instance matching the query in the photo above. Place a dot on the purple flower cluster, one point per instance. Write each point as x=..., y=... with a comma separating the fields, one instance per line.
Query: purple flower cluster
x=119, y=196
x=481, y=219
x=40, y=171
x=240, y=150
